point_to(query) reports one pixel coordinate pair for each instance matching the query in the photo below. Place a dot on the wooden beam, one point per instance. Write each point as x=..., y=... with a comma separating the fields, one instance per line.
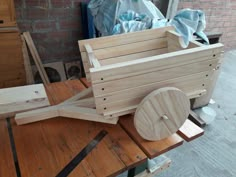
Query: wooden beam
x=28, y=69
x=36, y=57
x=92, y=59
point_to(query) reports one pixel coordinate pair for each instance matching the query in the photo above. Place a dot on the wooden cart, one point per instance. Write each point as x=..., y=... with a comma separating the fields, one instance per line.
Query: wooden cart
x=149, y=72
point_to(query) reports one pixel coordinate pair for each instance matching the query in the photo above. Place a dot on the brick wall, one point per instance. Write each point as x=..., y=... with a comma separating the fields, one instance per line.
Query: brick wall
x=220, y=17
x=56, y=24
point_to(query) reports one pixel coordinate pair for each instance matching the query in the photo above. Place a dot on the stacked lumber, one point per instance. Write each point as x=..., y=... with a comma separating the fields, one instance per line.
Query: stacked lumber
x=12, y=72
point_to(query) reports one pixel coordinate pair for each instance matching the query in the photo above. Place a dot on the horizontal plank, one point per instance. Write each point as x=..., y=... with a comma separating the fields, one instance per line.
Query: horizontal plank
x=122, y=39
x=152, y=77
x=140, y=66
x=185, y=83
x=126, y=103
x=127, y=49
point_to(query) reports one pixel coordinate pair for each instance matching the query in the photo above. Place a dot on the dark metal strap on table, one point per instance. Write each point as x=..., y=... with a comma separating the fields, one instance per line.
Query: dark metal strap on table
x=78, y=158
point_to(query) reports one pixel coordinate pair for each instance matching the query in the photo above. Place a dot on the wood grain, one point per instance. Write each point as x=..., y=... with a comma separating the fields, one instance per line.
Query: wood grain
x=7, y=167
x=151, y=148
x=189, y=131
x=18, y=99
x=161, y=113
x=44, y=148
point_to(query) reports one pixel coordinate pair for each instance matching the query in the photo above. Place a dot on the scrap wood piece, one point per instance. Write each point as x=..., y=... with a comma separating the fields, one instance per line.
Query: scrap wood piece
x=196, y=119
x=28, y=70
x=36, y=57
x=18, y=99
x=189, y=131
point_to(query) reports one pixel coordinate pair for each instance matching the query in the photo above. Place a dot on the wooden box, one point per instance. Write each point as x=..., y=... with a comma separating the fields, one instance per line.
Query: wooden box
x=123, y=69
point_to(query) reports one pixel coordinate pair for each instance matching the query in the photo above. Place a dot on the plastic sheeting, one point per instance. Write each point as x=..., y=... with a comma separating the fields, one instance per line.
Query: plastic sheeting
x=123, y=16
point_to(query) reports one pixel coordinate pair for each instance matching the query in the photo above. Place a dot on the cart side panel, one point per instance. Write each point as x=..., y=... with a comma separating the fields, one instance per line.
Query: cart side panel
x=118, y=44
x=188, y=70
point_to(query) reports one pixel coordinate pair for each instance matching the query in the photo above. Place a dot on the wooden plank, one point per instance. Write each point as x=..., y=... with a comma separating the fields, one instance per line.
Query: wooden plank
x=128, y=49
x=65, y=138
x=153, y=77
x=125, y=58
x=28, y=70
x=204, y=100
x=7, y=167
x=90, y=54
x=150, y=148
x=189, y=131
x=185, y=83
x=18, y=99
x=121, y=39
x=36, y=57
x=141, y=66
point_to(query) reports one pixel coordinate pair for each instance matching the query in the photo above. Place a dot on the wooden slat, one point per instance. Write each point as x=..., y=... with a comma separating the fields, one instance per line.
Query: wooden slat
x=186, y=84
x=125, y=58
x=151, y=148
x=128, y=49
x=36, y=57
x=44, y=148
x=141, y=66
x=121, y=39
x=189, y=131
x=7, y=167
x=153, y=77
x=18, y=99
x=27, y=65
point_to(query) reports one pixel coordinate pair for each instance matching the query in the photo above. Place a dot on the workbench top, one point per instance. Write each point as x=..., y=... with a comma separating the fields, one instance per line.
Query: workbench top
x=45, y=148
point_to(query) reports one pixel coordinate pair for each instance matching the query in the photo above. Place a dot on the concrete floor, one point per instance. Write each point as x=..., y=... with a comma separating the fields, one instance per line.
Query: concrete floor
x=214, y=154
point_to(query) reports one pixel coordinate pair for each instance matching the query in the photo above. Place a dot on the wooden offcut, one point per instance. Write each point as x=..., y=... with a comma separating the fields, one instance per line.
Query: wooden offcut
x=18, y=99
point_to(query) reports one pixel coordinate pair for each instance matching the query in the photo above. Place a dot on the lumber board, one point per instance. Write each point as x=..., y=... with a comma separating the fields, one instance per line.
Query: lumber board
x=176, y=39
x=90, y=54
x=27, y=65
x=18, y=99
x=153, y=77
x=204, y=100
x=7, y=167
x=151, y=148
x=36, y=57
x=185, y=83
x=121, y=39
x=128, y=49
x=189, y=131
x=66, y=137
x=140, y=66
x=85, y=82
x=125, y=58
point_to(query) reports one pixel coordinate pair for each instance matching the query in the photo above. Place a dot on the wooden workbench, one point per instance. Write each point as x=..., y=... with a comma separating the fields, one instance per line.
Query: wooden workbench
x=44, y=148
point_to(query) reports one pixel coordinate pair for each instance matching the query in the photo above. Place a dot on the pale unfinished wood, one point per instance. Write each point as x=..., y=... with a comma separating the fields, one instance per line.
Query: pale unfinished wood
x=153, y=77
x=36, y=57
x=19, y=99
x=122, y=39
x=189, y=131
x=204, y=100
x=140, y=66
x=185, y=83
x=28, y=69
x=176, y=39
x=161, y=113
x=92, y=59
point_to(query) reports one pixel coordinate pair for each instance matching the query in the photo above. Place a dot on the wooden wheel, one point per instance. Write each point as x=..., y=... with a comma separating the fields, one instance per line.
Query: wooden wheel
x=161, y=113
